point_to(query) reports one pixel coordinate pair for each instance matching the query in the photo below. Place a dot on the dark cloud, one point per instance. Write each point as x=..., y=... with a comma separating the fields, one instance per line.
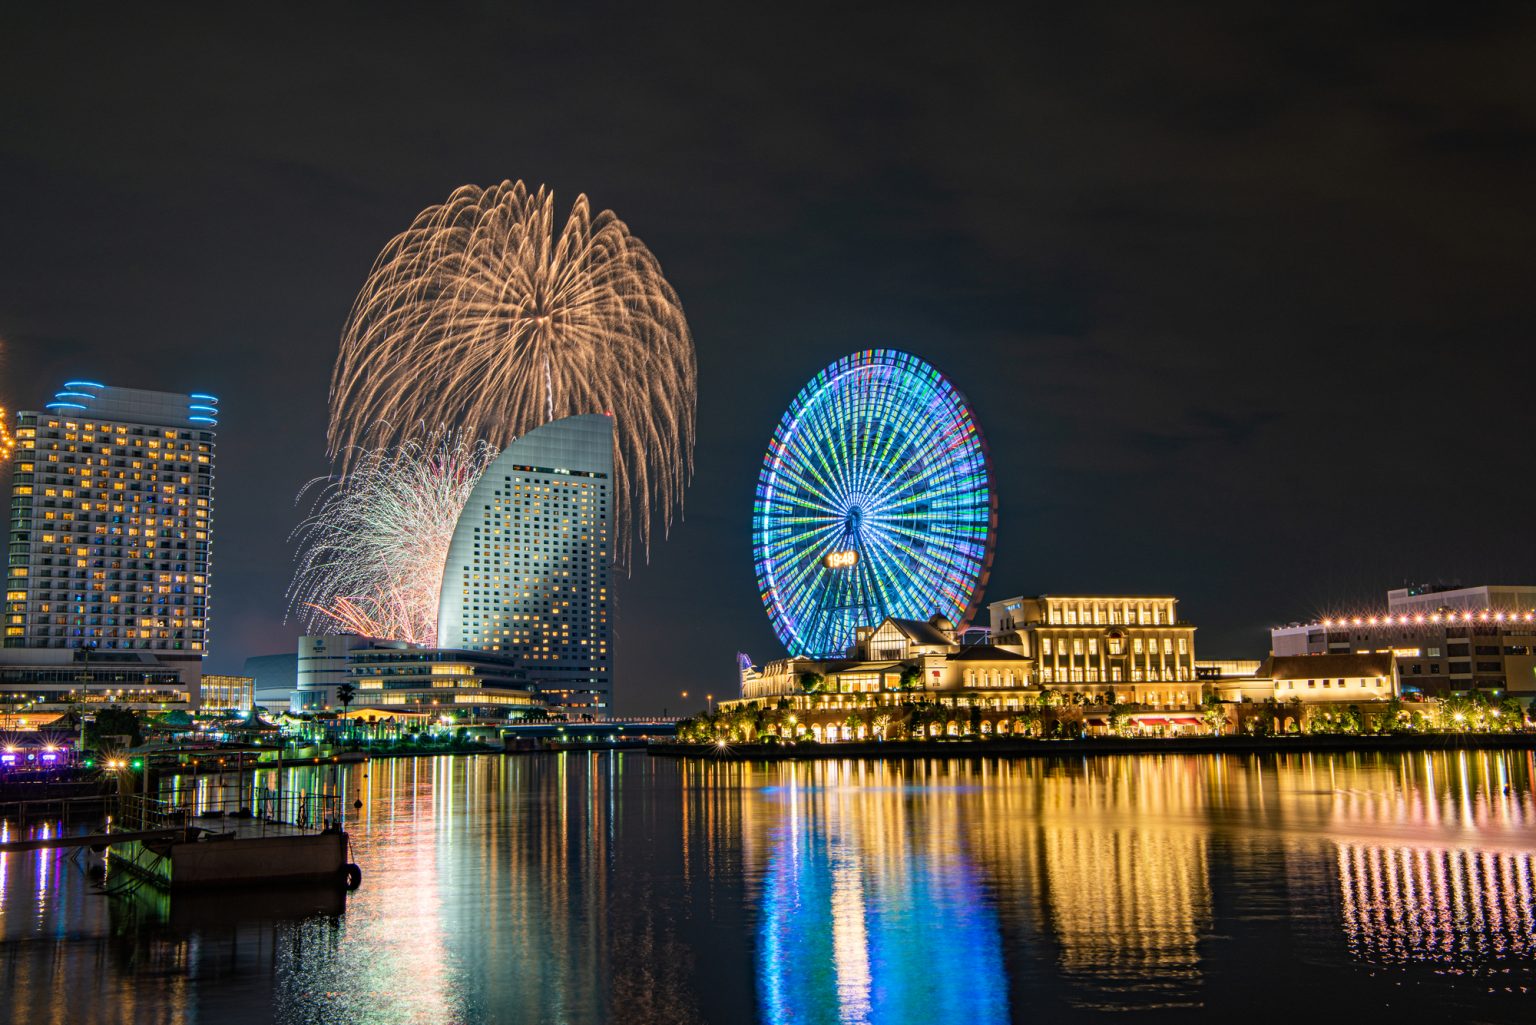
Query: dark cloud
x=1239, y=292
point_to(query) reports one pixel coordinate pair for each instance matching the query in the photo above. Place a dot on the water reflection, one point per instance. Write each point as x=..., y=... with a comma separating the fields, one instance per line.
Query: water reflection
x=871, y=910
x=608, y=888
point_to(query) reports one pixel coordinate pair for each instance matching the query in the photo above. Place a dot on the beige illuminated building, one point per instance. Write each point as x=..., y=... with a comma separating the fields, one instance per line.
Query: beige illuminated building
x=111, y=524
x=1086, y=652
x=1316, y=679
x=1115, y=649
x=1091, y=664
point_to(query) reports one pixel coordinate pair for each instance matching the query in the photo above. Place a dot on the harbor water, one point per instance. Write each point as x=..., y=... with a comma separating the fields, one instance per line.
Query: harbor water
x=617, y=887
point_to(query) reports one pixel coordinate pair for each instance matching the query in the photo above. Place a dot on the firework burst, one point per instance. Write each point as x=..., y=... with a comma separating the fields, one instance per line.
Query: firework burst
x=371, y=552
x=490, y=313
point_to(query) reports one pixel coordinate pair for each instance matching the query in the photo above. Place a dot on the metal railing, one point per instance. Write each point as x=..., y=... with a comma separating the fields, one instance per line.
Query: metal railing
x=137, y=813
x=264, y=813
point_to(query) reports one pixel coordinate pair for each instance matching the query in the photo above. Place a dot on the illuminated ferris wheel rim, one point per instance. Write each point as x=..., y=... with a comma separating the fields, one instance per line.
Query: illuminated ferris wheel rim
x=878, y=458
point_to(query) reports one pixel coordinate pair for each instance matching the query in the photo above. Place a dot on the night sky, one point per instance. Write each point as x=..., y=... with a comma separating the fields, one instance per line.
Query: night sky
x=1241, y=299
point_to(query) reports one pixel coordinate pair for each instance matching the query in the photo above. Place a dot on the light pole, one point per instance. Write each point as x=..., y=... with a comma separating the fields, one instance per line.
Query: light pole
x=711, y=699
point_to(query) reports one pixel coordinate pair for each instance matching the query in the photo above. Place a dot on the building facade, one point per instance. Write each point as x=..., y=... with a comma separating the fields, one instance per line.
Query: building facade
x=1109, y=648
x=1430, y=598
x=321, y=667
x=1448, y=647
x=903, y=659
x=1059, y=665
x=1077, y=656
x=228, y=693
x=276, y=678
x=1316, y=679
x=60, y=679
x=394, y=675
x=111, y=524
x=527, y=569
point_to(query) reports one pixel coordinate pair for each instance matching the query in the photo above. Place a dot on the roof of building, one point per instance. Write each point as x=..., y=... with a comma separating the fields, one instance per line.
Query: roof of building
x=1088, y=597
x=844, y=665
x=1317, y=667
x=920, y=631
x=986, y=653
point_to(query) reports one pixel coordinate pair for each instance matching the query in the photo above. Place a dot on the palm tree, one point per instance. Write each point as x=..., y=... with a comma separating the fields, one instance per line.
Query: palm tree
x=345, y=693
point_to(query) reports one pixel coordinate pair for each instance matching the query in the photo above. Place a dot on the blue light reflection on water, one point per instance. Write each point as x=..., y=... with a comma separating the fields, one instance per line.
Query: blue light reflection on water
x=851, y=933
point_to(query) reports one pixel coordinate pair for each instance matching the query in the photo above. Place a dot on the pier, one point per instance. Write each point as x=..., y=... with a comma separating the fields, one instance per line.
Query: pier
x=291, y=838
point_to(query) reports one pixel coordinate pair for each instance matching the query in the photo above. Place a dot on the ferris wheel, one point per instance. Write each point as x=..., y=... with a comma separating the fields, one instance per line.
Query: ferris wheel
x=874, y=500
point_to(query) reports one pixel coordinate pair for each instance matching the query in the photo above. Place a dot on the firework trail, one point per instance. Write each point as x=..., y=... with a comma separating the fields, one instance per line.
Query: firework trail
x=7, y=439
x=489, y=313
x=372, y=549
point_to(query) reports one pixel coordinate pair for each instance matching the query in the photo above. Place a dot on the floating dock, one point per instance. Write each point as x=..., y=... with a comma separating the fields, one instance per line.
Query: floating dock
x=284, y=839
x=294, y=839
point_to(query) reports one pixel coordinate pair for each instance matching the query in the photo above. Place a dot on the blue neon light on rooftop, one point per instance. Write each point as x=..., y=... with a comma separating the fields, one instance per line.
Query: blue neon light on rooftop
x=63, y=405
x=73, y=395
x=203, y=420
x=205, y=409
x=199, y=395
x=83, y=384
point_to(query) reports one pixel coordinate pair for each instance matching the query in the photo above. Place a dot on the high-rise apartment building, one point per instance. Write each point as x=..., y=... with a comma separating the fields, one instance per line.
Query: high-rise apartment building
x=527, y=570
x=111, y=523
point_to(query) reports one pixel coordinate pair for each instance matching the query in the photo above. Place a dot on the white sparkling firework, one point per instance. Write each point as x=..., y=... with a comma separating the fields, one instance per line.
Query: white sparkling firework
x=372, y=549
x=489, y=313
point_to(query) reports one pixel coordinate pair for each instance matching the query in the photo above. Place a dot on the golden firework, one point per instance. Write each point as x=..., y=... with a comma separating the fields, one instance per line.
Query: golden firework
x=490, y=313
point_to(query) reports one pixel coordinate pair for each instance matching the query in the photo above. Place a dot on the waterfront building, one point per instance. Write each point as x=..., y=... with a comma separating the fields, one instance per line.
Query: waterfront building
x=527, y=569
x=1113, y=649
x=275, y=676
x=322, y=665
x=1089, y=664
x=1072, y=653
x=1316, y=679
x=36, y=680
x=901, y=660
x=111, y=524
x=222, y=693
x=1443, y=641
x=396, y=676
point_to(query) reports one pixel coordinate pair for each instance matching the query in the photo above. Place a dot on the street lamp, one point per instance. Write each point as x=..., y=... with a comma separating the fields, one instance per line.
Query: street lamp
x=711, y=699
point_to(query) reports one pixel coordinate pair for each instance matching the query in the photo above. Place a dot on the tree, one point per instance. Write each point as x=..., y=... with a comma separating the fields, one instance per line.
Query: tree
x=113, y=722
x=345, y=693
x=1215, y=716
x=911, y=678
x=811, y=682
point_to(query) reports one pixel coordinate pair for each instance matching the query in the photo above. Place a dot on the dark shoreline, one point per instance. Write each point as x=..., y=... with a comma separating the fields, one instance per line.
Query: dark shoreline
x=1021, y=748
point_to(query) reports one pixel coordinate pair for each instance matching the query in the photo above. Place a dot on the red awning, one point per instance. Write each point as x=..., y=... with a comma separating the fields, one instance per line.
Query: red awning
x=1150, y=721
x=1186, y=721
